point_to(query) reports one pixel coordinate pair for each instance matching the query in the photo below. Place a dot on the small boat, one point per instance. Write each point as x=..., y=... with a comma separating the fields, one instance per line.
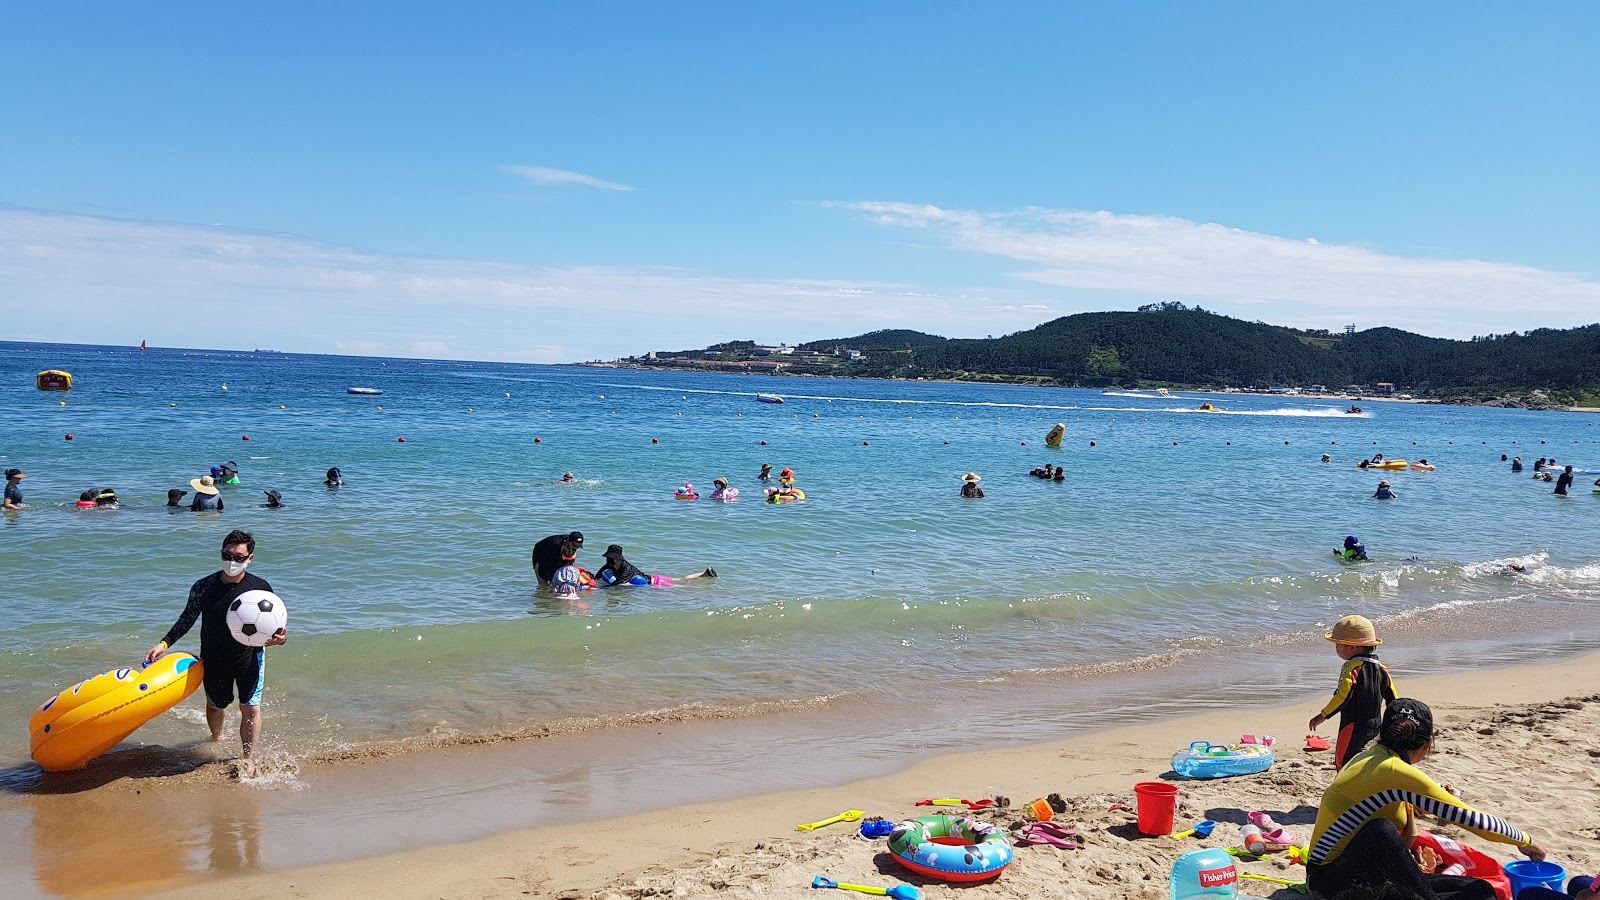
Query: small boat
x=53, y=380
x=768, y=398
x=363, y=391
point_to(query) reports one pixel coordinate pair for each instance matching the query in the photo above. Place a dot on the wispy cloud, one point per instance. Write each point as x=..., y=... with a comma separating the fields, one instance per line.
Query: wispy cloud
x=541, y=175
x=173, y=283
x=1162, y=256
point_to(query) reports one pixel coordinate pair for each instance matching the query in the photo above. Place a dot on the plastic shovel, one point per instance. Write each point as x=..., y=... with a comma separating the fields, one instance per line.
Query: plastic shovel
x=899, y=891
x=1299, y=886
x=849, y=815
x=1202, y=828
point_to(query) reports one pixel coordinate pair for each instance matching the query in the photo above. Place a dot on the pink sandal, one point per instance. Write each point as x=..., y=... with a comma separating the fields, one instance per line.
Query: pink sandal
x=1050, y=834
x=1262, y=821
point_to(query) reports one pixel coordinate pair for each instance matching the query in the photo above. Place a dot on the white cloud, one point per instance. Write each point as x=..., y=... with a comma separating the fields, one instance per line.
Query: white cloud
x=1162, y=256
x=201, y=286
x=544, y=176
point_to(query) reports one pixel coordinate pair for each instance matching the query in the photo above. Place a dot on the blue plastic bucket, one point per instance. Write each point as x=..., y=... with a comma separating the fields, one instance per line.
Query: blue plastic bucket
x=1527, y=873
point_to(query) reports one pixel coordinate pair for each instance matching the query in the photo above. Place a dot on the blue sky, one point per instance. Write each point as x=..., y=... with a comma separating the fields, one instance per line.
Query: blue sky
x=552, y=182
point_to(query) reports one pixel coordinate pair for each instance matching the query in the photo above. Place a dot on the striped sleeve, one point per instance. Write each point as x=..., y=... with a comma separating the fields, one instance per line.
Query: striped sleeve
x=1445, y=807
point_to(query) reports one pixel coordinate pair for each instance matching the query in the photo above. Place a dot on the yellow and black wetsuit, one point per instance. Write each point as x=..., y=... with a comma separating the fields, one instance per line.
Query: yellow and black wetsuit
x=1378, y=784
x=1364, y=687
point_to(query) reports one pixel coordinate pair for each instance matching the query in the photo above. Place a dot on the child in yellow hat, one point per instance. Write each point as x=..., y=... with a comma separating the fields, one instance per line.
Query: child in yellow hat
x=1364, y=687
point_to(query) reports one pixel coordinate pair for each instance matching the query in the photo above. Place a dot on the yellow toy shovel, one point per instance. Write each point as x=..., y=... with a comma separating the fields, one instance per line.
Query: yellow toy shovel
x=849, y=815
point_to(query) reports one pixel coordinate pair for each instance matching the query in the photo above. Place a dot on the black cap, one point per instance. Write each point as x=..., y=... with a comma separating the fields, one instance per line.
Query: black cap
x=576, y=537
x=176, y=493
x=1407, y=725
x=615, y=550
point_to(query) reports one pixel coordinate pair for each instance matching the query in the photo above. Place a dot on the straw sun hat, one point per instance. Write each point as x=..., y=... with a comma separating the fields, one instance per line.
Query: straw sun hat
x=972, y=477
x=1356, y=630
x=204, y=485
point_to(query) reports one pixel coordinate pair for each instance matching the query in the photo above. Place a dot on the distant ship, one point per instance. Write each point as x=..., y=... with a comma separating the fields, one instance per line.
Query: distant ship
x=768, y=398
x=363, y=391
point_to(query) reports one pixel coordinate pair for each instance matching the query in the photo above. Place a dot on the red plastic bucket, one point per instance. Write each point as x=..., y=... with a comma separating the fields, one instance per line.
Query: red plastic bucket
x=1157, y=800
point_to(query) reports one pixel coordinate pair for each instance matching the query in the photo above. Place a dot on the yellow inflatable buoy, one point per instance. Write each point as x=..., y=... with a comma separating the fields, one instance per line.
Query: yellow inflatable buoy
x=1053, y=437
x=62, y=402
x=92, y=716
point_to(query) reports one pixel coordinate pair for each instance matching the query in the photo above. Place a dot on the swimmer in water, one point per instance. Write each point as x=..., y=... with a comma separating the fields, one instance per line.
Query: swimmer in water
x=175, y=497
x=618, y=571
x=721, y=491
x=969, y=486
x=1516, y=464
x=274, y=500
x=1384, y=492
x=566, y=478
x=1327, y=458
x=766, y=472
x=1352, y=549
x=335, y=477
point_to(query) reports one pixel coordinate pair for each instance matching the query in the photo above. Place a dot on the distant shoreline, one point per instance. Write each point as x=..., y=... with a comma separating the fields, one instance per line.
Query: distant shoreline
x=1508, y=400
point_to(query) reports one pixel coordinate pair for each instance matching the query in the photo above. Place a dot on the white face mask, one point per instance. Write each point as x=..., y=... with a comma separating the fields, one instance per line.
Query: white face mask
x=233, y=569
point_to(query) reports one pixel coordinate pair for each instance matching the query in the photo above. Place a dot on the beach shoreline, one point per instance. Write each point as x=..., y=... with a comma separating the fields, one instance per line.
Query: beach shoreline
x=748, y=847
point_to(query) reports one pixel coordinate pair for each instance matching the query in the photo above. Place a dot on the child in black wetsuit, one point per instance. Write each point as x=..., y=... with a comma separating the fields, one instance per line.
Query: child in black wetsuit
x=1364, y=687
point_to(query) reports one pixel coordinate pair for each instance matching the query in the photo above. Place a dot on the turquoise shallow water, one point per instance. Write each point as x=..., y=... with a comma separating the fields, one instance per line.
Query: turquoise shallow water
x=414, y=614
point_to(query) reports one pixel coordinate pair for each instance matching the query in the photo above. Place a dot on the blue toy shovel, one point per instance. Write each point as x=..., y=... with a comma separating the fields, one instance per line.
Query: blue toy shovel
x=899, y=891
x=1203, y=829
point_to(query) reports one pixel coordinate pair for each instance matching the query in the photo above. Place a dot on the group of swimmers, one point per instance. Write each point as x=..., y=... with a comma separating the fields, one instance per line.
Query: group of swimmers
x=555, y=565
x=207, y=493
x=1050, y=472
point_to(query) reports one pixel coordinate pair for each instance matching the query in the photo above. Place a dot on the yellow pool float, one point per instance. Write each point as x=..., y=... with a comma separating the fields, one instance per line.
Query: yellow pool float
x=92, y=716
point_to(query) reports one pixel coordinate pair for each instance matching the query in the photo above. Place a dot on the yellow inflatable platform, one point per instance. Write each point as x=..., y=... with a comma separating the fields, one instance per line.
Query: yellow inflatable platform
x=91, y=717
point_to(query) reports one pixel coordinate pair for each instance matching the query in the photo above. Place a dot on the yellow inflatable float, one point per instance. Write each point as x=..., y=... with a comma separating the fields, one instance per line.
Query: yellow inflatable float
x=1053, y=437
x=92, y=716
x=1388, y=465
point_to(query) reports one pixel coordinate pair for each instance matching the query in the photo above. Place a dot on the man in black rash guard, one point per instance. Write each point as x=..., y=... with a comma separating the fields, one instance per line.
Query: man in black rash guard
x=228, y=663
x=547, y=554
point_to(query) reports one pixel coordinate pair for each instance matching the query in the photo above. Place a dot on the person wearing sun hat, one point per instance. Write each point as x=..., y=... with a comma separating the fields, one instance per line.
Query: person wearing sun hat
x=13, y=490
x=969, y=485
x=1364, y=686
x=206, y=495
x=721, y=491
x=1384, y=492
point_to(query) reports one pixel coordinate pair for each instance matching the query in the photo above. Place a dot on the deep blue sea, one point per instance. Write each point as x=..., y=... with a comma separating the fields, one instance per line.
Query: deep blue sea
x=414, y=615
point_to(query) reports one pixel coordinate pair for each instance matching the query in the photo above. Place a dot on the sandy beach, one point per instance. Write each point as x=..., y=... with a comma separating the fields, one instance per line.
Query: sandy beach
x=1518, y=742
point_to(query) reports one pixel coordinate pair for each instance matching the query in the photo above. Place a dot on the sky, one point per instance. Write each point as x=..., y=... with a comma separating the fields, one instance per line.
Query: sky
x=553, y=182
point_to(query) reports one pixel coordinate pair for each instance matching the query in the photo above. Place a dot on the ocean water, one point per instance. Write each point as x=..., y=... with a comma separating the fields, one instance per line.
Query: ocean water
x=416, y=623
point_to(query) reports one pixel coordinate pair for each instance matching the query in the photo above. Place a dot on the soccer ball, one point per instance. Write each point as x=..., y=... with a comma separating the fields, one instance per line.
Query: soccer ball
x=255, y=616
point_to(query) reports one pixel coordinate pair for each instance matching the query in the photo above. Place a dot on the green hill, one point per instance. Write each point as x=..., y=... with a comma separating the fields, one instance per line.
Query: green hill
x=1170, y=344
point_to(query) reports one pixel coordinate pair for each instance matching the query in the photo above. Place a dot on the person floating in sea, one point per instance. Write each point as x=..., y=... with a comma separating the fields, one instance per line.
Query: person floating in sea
x=13, y=498
x=721, y=491
x=566, y=478
x=1364, y=687
x=274, y=500
x=229, y=664
x=1060, y=475
x=335, y=477
x=547, y=554
x=1384, y=492
x=786, y=476
x=766, y=472
x=969, y=485
x=106, y=498
x=618, y=571
x=1422, y=465
x=1352, y=549
x=206, y=495
x=175, y=497
x=1327, y=457
x=1564, y=482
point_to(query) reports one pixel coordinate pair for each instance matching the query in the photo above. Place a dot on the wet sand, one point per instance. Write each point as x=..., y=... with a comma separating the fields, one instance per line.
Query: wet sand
x=1519, y=742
